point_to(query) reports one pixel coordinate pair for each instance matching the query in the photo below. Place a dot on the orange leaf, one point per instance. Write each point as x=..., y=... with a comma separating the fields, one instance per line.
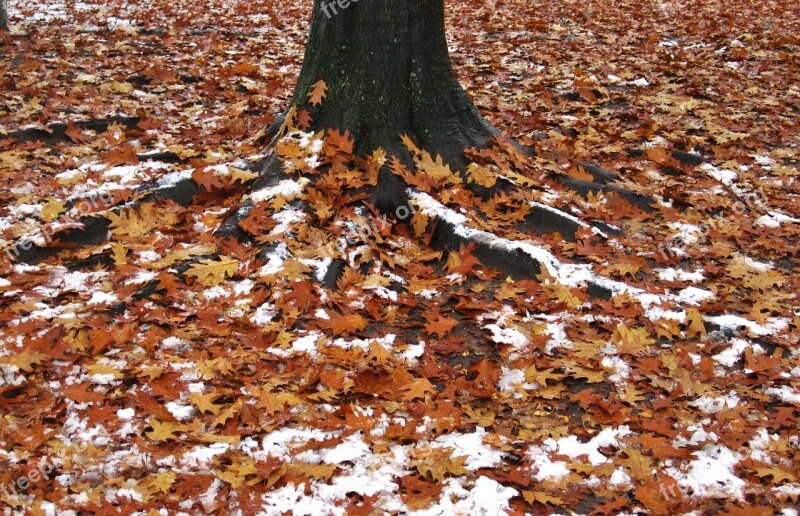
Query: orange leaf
x=318, y=92
x=346, y=323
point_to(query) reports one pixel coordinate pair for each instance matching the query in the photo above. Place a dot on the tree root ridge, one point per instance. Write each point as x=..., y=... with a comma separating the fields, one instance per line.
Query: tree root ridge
x=57, y=131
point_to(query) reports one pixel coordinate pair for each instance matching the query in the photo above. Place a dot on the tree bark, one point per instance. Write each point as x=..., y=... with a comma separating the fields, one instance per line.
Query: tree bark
x=388, y=71
x=3, y=15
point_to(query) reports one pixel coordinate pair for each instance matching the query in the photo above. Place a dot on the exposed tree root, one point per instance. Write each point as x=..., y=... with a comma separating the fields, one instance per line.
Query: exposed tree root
x=57, y=131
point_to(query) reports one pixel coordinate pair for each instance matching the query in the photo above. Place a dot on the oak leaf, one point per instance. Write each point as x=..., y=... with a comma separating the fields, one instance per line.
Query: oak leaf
x=211, y=272
x=343, y=323
x=52, y=210
x=436, y=463
x=417, y=389
x=164, y=431
x=438, y=324
x=25, y=360
x=318, y=92
x=542, y=498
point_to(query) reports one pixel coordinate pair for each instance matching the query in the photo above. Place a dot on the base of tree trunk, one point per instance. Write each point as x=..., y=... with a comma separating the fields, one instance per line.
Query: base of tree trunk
x=378, y=96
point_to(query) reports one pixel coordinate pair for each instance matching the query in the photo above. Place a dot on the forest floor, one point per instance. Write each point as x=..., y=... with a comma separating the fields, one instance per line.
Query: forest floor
x=424, y=382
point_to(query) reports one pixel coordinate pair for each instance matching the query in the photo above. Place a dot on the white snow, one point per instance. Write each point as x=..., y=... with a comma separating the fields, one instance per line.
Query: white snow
x=734, y=322
x=774, y=220
x=264, y=314
x=619, y=368
x=710, y=474
x=722, y=175
x=695, y=296
x=670, y=274
x=486, y=497
x=510, y=336
x=103, y=298
x=288, y=188
x=180, y=411
x=471, y=445
x=733, y=354
x=785, y=394
x=126, y=413
x=711, y=405
x=572, y=447
x=544, y=467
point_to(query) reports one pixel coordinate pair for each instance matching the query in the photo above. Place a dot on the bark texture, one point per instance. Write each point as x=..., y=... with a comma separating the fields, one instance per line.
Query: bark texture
x=3, y=15
x=388, y=70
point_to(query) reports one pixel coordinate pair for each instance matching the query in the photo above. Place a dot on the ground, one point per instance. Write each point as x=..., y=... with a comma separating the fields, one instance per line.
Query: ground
x=424, y=381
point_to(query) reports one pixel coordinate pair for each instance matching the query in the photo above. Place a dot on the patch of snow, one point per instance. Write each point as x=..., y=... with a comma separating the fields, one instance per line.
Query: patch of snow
x=288, y=188
x=785, y=394
x=471, y=445
x=510, y=336
x=710, y=474
x=126, y=413
x=275, y=260
x=774, y=220
x=734, y=322
x=724, y=176
x=544, y=468
x=321, y=268
x=511, y=380
x=199, y=456
x=572, y=447
x=711, y=405
x=180, y=411
x=103, y=298
x=733, y=354
x=619, y=368
x=695, y=296
x=670, y=274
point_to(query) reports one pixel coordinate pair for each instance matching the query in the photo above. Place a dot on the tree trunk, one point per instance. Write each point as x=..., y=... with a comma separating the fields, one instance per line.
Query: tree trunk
x=3, y=16
x=389, y=73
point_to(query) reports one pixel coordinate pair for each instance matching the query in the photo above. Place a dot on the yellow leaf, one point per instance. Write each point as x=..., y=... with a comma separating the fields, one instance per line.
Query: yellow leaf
x=103, y=369
x=420, y=223
x=778, y=475
x=379, y=354
x=409, y=143
x=289, y=121
x=52, y=210
x=117, y=87
x=205, y=402
x=538, y=497
x=128, y=222
x=481, y=175
x=631, y=341
x=119, y=253
x=316, y=472
x=563, y=294
x=185, y=254
x=238, y=174
x=163, y=481
x=436, y=463
x=164, y=431
x=696, y=327
x=639, y=466
x=375, y=161
x=211, y=273
x=437, y=169
x=24, y=361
